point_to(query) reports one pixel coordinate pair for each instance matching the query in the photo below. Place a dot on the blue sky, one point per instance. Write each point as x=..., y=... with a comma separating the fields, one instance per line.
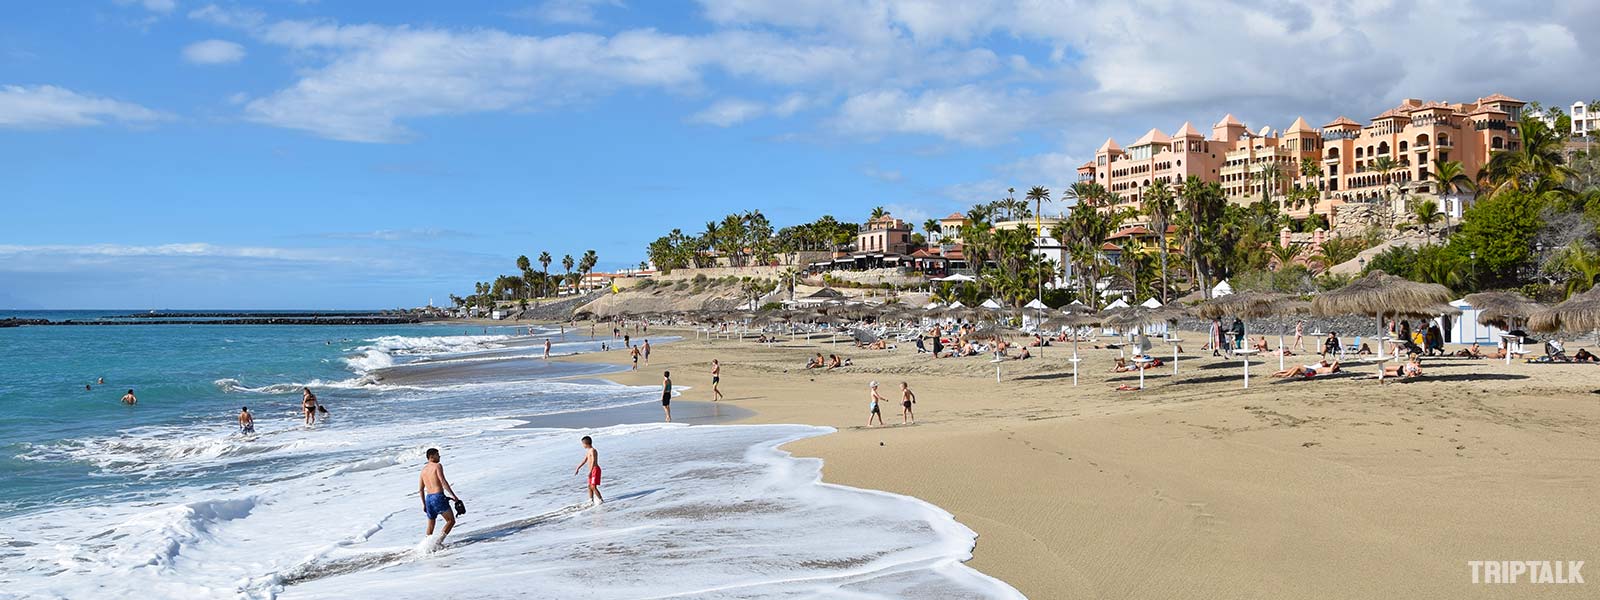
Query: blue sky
x=282, y=154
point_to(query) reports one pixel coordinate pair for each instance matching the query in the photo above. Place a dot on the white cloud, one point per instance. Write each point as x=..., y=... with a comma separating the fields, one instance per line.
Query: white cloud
x=51, y=107
x=156, y=6
x=567, y=12
x=970, y=114
x=242, y=18
x=728, y=112
x=884, y=175
x=213, y=52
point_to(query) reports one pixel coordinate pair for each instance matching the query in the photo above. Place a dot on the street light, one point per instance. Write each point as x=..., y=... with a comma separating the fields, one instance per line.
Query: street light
x=1473, y=256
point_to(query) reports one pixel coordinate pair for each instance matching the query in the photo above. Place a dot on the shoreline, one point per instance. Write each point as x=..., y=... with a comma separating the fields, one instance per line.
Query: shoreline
x=1193, y=487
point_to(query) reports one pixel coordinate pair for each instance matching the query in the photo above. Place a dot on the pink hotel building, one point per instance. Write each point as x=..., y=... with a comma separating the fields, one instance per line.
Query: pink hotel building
x=1413, y=134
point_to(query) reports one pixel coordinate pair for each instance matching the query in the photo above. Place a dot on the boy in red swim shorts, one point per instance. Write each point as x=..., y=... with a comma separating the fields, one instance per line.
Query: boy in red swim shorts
x=591, y=457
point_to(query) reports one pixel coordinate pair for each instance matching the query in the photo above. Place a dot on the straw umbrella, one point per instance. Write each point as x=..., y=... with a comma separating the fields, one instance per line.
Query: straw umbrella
x=1244, y=306
x=1137, y=318
x=1502, y=310
x=1078, y=318
x=1379, y=294
x=1580, y=313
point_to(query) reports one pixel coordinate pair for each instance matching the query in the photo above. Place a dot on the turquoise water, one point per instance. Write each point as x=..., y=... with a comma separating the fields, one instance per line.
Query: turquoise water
x=173, y=370
x=167, y=499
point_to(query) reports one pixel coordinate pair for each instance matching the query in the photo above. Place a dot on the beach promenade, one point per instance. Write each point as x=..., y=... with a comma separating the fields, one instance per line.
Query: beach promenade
x=1332, y=487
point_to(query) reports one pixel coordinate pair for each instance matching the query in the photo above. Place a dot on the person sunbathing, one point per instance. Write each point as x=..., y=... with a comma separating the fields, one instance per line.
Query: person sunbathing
x=1025, y=355
x=1499, y=352
x=1260, y=345
x=815, y=363
x=833, y=362
x=1584, y=355
x=1142, y=362
x=1311, y=370
x=1411, y=368
x=1364, y=349
x=1473, y=351
x=1122, y=366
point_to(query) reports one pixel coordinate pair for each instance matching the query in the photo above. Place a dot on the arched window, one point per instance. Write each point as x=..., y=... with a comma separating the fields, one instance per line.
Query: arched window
x=1333, y=153
x=1402, y=145
x=1496, y=143
x=1358, y=152
x=1422, y=140
x=1444, y=139
x=1383, y=147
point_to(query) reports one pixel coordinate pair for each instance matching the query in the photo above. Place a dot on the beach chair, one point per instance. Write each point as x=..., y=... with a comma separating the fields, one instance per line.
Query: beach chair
x=1350, y=348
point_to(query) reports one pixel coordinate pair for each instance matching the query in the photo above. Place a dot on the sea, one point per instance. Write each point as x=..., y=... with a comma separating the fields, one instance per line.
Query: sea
x=168, y=499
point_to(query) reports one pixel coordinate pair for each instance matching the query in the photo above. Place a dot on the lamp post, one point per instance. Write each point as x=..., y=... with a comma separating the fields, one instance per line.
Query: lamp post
x=1538, y=263
x=1473, y=256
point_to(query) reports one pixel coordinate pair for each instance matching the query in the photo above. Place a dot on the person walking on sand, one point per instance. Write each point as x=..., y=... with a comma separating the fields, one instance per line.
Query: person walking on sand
x=247, y=422
x=646, y=353
x=666, y=393
x=876, y=411
x=716, y=379
x=1300, y=335
x=634, y=351
x=591, y=457
x=906, y=400
x=432, y=487
x=129, y=399
x=308, y=406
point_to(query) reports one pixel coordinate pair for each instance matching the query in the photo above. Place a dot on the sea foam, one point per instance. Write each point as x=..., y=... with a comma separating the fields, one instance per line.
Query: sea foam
x=701, y=512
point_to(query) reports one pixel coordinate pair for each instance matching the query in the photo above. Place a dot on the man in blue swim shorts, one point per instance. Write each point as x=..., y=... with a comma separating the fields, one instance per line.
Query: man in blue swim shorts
x=435, y=503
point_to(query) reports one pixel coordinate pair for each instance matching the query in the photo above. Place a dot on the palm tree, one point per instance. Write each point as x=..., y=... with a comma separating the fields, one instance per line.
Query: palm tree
x=544, y=260
x=1449, y=178
x=1538, y=162
x=1283, y=256
x=526, y=267
x=1385, y=166
x=932, y=227
x=1271, y=174
x=587, y=263
x=1338, y=251
x=1085, y=192
x=877, y=213
x=1039, y=195
x=1426, y=213
x=1580, y=264
x=566, y=263
x=1158, y=205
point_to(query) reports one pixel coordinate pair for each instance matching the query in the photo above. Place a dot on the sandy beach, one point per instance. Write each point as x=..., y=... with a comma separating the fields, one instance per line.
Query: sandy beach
x=1333, y=487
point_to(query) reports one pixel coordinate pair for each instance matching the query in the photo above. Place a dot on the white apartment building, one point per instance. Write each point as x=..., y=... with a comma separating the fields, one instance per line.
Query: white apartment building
x=1584, y=121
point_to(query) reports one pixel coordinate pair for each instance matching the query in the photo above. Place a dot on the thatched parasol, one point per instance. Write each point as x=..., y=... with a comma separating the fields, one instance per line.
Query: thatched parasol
x=1578, y=314
x=1501, y=310
x=1380, y=294
x=1244, y=305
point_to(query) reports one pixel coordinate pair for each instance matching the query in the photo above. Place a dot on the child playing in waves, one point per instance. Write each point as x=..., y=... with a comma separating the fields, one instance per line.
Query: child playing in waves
x=591, y=457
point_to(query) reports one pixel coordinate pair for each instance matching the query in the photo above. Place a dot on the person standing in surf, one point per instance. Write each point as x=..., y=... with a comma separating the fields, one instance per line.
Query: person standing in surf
x=591, y=457
x=247, y=421
x=129, y=399
x=716, y=379
x=547, y=348
x=432, y=487
x=666, y=394
x=308, y=405
x=646, y=353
